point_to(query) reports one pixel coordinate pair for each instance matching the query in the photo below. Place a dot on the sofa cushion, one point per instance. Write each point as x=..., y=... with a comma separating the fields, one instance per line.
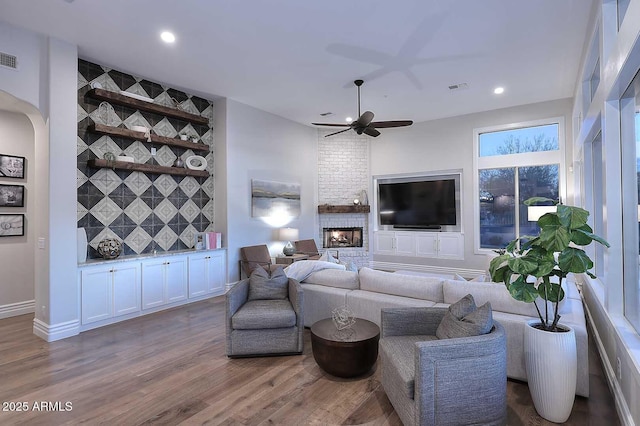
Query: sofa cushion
x=463, y=319
x=259, y=314
x=402, y=350
x=417, y=287
x=334, y=278
x=263, y=286
x=367, y=304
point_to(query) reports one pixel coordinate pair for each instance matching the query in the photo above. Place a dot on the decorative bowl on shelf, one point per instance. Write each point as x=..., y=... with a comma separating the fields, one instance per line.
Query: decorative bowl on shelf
x=109, y=248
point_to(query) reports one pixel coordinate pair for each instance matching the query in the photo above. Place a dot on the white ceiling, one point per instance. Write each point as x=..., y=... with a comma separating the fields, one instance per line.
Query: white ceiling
x=298, y=58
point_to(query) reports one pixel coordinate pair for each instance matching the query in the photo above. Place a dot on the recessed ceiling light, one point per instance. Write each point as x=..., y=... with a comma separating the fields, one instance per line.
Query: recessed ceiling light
x=167, y=37
x=498, y=90
x=348, y=119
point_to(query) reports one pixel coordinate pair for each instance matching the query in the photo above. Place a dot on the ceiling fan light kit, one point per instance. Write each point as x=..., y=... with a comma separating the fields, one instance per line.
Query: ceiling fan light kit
x=364, y=123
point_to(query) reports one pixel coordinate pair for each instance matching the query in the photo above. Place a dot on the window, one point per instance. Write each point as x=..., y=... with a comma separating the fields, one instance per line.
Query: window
x=623, y=5
x=595, y=198
x=630, y=150
x=512, y=165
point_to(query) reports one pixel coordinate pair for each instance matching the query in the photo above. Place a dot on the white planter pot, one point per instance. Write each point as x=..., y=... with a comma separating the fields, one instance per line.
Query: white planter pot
x=551, y=364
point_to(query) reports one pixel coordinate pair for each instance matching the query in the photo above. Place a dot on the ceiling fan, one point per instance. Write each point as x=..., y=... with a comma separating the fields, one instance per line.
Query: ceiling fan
x=364, y=123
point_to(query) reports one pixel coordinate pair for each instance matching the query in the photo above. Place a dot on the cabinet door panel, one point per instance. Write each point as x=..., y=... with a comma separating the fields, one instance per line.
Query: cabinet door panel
x=427, y=245
x=176, y=279
x=385, y=242
x=96, y=295
x=217, y=273
x=198, y=275
x=152, y=284
x=405, y=244
x=126, y=289
x=451, y=246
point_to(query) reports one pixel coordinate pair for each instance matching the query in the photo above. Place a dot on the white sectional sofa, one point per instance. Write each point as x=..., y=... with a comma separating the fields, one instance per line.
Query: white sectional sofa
x=368, y=291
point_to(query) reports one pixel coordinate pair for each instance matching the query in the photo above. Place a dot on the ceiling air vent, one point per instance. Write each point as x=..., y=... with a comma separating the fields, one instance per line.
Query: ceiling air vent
x=459, y=86
x=8, y=61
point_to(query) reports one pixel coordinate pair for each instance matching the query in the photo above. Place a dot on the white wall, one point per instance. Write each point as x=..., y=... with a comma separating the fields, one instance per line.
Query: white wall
x=17, y=290
x=46, y=81
x=261, y=145
x=447, y=144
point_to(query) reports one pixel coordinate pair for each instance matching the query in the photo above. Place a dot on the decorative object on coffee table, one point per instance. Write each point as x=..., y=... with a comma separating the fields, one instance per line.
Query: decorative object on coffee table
x=350, y=352
x=109, y=248
x=343, y=317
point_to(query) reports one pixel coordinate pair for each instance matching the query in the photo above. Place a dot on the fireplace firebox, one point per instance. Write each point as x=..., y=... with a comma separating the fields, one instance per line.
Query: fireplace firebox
x=341, y=237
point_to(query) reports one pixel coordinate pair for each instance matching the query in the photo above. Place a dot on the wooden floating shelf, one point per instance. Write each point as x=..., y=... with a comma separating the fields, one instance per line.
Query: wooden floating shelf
x=326, y=208
x=117, y=98
x=139, y=136
x=147, y=168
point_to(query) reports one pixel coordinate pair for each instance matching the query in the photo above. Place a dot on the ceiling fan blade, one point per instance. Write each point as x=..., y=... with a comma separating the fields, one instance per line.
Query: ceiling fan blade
x=363, y=120
x=392, y=123
x=371, y=132
x=335, y=133
x=332, y=124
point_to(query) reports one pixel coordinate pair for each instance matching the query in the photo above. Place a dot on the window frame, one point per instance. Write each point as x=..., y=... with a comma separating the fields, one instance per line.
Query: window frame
x=526, y=159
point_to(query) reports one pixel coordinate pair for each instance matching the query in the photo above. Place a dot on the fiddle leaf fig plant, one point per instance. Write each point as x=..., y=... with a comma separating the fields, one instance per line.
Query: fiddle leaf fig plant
x=533, y=267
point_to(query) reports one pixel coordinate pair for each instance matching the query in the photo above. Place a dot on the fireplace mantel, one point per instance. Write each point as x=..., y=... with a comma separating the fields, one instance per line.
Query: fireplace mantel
x=327, y=208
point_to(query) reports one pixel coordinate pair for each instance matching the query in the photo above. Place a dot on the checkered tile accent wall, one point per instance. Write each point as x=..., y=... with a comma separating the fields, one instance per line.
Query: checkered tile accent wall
x=145, y=211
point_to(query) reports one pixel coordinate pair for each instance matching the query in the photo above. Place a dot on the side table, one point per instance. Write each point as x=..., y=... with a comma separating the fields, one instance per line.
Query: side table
x=288, y=260
x=345, y=353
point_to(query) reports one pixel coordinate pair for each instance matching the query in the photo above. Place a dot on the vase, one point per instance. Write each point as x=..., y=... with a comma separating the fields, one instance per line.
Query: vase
x=551, y=363
x=81, y=240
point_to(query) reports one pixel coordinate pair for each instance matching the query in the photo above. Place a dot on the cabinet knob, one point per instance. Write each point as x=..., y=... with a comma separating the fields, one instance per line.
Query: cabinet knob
x=208, y=257
x=112, y=270
x=168, y=263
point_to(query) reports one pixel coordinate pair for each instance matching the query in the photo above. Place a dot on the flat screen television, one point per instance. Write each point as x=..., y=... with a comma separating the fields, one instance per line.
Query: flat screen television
x=425, y=204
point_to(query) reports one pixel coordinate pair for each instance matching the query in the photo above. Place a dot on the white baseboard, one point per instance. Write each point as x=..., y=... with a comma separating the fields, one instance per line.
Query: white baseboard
x=54, y=332
x=621, y=403
x=15, y=309
x=392, y=266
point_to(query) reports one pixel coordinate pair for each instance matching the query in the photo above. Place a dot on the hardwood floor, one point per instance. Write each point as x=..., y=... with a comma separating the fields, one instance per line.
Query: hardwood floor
x=170, y=368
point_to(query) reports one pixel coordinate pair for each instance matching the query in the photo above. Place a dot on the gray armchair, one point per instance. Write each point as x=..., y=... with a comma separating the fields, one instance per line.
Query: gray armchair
x=457, y=381
x=263, y=327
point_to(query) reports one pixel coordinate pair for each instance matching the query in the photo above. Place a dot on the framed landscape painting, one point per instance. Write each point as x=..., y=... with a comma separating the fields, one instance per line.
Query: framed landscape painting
x=11, y=166
x=11, y=225
x=11, y=196
x=270, y=199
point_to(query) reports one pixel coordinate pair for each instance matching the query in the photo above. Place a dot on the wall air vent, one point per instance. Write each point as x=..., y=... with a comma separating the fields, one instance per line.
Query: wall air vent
x=8, y=61
x=459, y=86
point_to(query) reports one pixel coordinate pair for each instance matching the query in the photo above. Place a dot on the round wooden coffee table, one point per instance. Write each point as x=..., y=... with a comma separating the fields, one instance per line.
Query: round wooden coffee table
x=345, y=353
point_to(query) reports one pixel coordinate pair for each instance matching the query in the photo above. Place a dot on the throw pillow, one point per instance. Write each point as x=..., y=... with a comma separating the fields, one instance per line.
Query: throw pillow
x=349, y=266
x=463, y=319
x=263, y=286
x=480, y=279
x=328, y=257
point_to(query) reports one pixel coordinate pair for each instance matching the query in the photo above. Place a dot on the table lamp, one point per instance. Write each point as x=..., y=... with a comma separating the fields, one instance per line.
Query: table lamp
x=288, y=234
x=536, y=212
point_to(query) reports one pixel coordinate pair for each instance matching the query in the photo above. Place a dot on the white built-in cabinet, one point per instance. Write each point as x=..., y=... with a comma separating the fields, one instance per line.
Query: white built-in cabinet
x=109, y=291
x=125, y=288
x=164, y=281
x=206, y=273
x=441, y=245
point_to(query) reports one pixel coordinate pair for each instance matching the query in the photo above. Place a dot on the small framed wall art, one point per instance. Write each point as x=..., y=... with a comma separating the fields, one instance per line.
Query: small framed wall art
x=11, y=166
x=11, y=225
x=11, y=195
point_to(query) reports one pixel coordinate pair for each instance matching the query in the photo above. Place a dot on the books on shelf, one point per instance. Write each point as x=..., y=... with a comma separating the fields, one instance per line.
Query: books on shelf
x=208, y=240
